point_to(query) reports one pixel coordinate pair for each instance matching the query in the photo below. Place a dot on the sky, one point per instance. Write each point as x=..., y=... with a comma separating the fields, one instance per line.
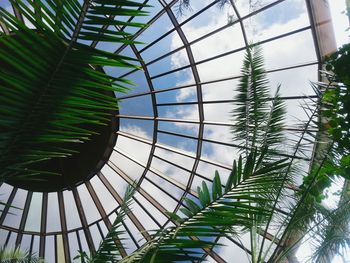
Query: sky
x=291, y=50
x=340, y=21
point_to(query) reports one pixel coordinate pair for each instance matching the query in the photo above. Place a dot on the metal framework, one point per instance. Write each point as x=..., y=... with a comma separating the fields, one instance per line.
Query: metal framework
x=152, y=170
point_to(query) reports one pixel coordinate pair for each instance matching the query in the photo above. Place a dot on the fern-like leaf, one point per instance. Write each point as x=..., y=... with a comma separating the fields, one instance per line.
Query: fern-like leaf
x=246, y=198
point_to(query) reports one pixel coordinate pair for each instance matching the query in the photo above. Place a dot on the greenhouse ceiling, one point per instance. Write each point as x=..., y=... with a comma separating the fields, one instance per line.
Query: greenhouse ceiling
x=173, y=128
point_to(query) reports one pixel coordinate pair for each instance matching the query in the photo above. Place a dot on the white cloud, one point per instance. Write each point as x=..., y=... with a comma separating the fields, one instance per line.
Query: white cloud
x=140, y=152
x=284, y=52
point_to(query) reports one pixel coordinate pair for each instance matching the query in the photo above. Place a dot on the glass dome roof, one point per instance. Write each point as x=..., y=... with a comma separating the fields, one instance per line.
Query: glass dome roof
x=174, y=125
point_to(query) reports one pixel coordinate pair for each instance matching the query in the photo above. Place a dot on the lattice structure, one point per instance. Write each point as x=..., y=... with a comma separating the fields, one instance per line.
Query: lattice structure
x=175, y=123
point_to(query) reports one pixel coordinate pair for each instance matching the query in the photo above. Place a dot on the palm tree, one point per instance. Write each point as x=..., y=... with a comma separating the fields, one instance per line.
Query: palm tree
x=53, y=91
x=250, y=201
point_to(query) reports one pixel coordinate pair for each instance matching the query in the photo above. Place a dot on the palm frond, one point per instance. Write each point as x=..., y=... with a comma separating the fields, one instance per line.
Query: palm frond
x=314, y=232
x=244, y=201
x=332, y=237
x=293, y=225
x=51, y=82
x=274, y=123
x=109, y=248
x=8, y=255
x=304, y=213
x=257, y=122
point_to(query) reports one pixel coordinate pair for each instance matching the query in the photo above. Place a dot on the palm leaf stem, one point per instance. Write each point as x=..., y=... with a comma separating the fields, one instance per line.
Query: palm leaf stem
x=247, y=122
x=239, y=243
x=155, y=243
x=142, y=251
x=274, y=240
x=247, y=106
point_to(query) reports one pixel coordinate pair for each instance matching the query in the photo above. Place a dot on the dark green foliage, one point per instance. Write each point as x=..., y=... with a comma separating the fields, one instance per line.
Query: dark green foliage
x=51, y=83
x=332, y=236
x=337, y=101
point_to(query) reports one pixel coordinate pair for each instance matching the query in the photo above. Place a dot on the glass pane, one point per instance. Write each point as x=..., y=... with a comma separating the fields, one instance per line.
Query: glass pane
x=12, y=241
x=107, y=200
x=5, y=191
x=26, y=242
x=53, y=213
x=72, y=215
x=73, y=246
x=34, y=215
x=13, y=218
x=3, y=236
x=96, y=236
x=60, y=249
x=36, y=245
x=83, y=242
x=50, y=249
x=89, y=206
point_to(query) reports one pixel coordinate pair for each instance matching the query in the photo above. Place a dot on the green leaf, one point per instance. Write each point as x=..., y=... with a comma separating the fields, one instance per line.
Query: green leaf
x=192, y=205
x=217, y=188
x=233, y=175
x=205, y=192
